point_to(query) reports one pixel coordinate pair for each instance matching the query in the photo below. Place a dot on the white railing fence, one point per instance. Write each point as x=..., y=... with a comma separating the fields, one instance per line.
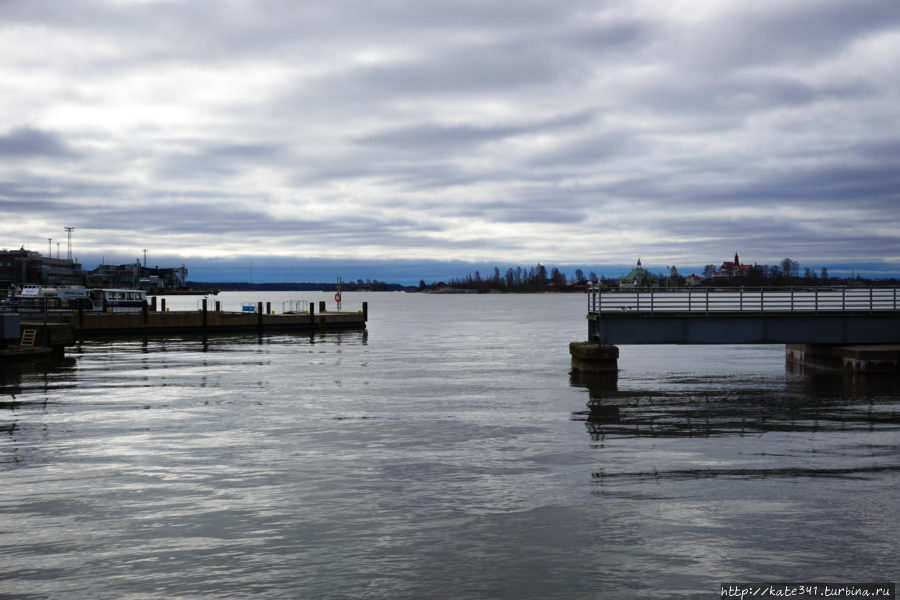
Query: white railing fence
x=756, y=300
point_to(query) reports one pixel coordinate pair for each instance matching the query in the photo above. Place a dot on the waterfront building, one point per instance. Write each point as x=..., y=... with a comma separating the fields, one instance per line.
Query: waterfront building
x=20, y=267
x=637, y=278
x=153, y=280
x=692, y=280
x=732, y=269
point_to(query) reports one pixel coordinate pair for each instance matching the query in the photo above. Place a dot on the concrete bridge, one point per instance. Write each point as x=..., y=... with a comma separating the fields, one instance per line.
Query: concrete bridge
x=814, y=322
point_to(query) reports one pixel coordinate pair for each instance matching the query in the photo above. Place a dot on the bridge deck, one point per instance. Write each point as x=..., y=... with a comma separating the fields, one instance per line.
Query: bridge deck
x=776, y=316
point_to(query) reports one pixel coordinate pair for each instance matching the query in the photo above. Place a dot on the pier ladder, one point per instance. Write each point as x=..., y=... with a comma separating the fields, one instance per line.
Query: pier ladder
x=28, y=336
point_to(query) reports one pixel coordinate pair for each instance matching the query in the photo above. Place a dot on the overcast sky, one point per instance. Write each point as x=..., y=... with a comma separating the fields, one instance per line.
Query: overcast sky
x=567, y=132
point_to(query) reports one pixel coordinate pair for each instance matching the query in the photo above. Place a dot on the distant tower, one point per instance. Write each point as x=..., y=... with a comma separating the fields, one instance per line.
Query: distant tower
x=69, y=231
x=145, y=258
x=50, y=247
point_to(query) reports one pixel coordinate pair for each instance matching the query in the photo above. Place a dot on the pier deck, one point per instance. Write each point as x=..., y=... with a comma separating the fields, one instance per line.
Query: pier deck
x=857, y=329
x=746, y=316
x=89, y=325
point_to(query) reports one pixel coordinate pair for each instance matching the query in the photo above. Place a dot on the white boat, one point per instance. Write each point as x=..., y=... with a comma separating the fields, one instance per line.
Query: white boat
x=69, y=292
x=41, y=297
x=116, y=300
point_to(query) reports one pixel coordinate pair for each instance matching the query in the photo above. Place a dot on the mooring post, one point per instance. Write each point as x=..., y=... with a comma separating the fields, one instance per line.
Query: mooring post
x=312, y=312
x=268, y=308
x=162, y=304
x=153, y=303
x=321, y=306
x=365, y=312
x=204, y=313
x=218, y=306
x=592, y=357
x=259, y=314
x=144, y=311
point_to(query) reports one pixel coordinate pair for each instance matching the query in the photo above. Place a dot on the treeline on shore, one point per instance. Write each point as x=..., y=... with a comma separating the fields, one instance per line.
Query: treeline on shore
x=515, y=279
x=537, y=279
x=369, y=285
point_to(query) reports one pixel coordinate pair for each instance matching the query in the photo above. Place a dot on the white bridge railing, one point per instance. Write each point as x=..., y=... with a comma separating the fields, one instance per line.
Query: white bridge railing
x=744, y=300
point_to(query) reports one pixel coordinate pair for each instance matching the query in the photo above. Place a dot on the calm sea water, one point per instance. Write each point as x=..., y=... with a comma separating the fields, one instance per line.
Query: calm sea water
x=446, y=452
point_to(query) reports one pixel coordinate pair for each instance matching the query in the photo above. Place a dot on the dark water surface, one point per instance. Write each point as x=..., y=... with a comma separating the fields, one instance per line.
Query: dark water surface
x=444, y=453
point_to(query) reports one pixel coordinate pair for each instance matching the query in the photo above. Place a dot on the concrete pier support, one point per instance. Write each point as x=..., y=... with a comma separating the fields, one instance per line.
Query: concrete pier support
x=592, y=357
x=874, y=358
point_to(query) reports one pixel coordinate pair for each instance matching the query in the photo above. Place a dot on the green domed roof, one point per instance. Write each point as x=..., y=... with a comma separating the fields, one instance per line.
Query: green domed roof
x=638, y=274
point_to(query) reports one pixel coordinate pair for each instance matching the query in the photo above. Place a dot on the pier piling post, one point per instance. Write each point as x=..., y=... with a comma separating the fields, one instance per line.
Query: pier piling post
x=204, y=313
x=365, y=312
x=592, y=357
x=153, y=303
x=144, y=311
x=259, y=314
x=321, y=306
x=162, y=304
x=80, y=315
x=218, y=306
x=268, y=308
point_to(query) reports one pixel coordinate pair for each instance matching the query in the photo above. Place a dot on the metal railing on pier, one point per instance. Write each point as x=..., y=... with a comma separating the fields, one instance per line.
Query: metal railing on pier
x=744, y=300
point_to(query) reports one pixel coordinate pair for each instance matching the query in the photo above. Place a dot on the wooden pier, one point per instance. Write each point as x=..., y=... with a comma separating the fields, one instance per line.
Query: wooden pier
x=856, y=329
x=46, y=334
x=29, y=340
x=88, y=325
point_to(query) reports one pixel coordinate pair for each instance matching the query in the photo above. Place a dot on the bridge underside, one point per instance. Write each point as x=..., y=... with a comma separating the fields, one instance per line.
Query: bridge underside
x=745, y=328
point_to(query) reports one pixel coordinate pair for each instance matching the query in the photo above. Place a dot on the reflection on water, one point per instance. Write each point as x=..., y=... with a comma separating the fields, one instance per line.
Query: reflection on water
x=436, y=456
x=849, y=423
x=27, y=385
x=817, y=402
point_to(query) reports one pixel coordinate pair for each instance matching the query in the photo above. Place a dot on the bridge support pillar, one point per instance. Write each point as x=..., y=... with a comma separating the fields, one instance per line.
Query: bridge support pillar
x=591, y=357
x=864, y=358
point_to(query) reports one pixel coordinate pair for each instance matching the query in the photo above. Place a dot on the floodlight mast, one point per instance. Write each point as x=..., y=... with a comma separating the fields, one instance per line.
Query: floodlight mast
x=69, y=231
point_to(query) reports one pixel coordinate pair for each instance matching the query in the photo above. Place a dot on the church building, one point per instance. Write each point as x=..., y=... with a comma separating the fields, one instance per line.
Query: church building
x=638, y=278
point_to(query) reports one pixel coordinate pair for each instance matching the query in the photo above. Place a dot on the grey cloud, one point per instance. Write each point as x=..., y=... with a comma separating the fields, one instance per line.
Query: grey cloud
x=464, y=71
x=218, y=159
x=658, y=121
x=547, y=210
x=603, y=38
x=28, y=142
x=780, y=33
x=59, y=193
x=435, y=136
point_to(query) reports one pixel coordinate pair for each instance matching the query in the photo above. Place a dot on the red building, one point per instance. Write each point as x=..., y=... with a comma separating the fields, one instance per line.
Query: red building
x=733, y=269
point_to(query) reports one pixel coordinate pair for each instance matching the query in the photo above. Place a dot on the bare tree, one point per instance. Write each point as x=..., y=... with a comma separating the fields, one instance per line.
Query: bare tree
x=790, y=268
